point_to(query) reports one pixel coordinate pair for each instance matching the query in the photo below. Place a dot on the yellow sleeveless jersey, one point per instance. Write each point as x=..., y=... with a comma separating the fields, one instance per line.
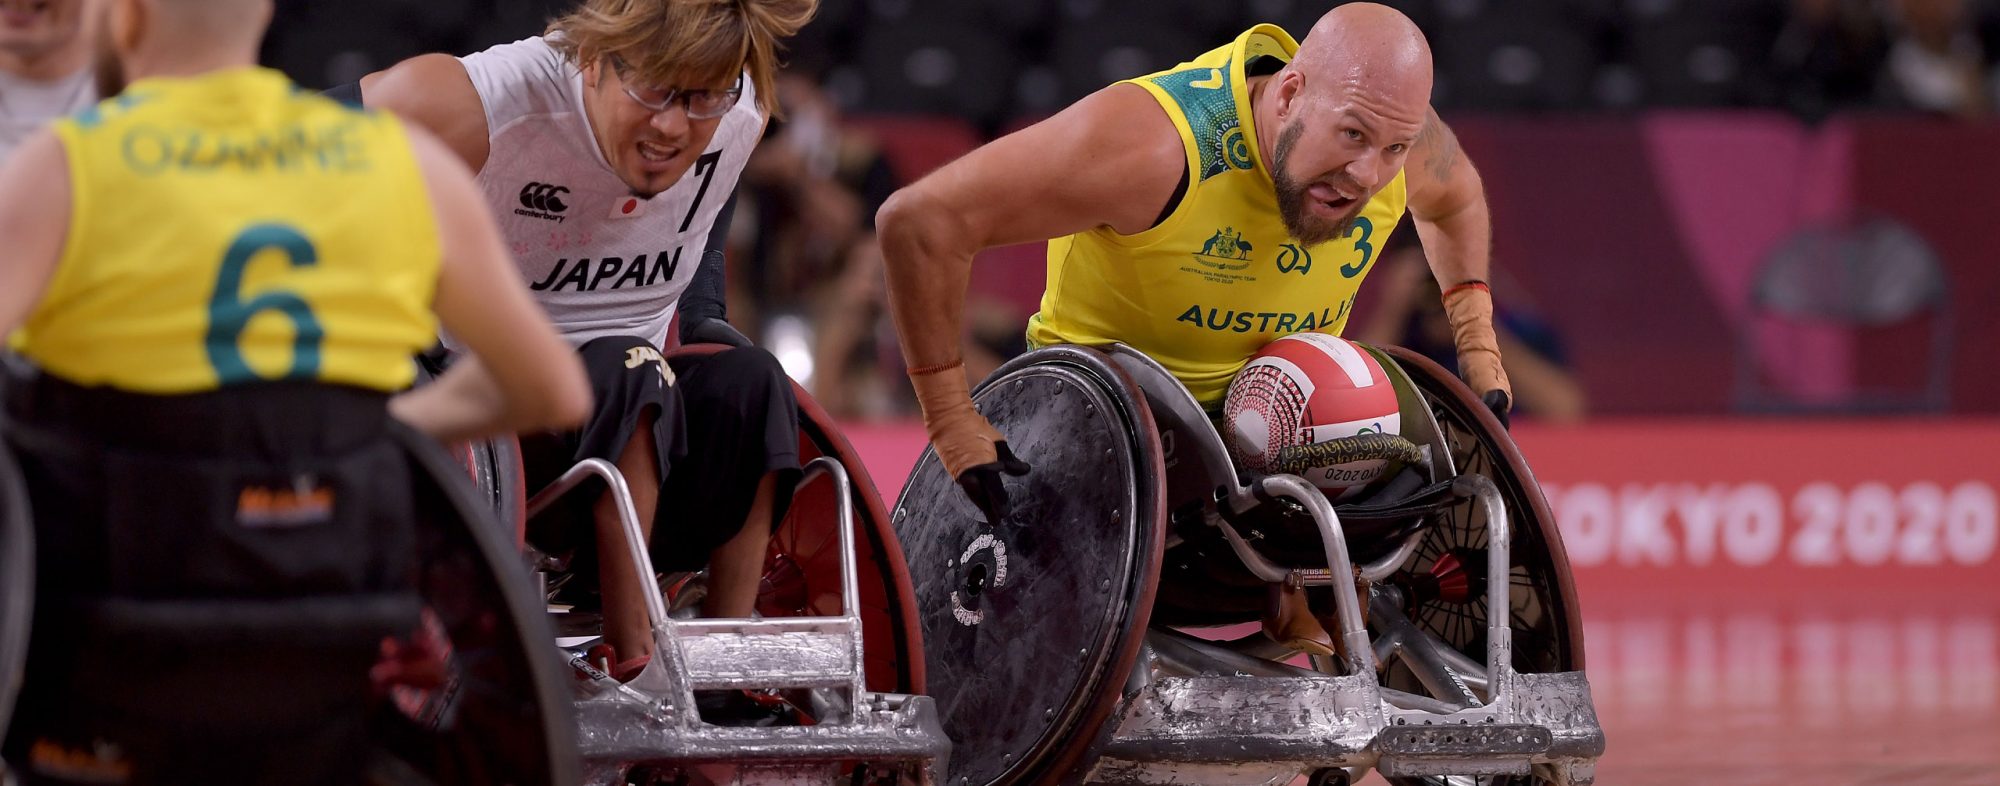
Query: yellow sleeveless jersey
x=229, y=229
x=1219, y=278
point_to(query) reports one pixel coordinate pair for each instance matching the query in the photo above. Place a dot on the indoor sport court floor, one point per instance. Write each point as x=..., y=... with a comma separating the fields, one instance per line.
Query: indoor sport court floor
x=1903, y=688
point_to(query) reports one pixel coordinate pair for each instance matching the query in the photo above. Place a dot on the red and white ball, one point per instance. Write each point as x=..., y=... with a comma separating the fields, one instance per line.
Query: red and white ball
x=1307, y=388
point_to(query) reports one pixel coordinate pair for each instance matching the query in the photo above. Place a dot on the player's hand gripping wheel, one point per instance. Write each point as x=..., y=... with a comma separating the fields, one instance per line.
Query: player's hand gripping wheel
x=972, y=450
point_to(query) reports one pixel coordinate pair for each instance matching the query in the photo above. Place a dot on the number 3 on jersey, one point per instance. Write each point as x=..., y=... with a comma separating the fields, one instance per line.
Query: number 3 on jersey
x=229, y=314
x=1366, y=248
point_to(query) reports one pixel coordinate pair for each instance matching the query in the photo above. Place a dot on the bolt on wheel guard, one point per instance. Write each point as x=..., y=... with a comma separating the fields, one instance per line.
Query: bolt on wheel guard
x=1036, y=627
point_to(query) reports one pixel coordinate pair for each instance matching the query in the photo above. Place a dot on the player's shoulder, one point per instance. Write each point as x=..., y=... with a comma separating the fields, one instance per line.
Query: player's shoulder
x=531, y=53
x=1123, y=115
x=530, y=76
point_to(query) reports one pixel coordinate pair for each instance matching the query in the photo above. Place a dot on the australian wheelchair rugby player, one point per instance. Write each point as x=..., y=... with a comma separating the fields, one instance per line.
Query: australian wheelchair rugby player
x=248, y=566
x=1190, y=446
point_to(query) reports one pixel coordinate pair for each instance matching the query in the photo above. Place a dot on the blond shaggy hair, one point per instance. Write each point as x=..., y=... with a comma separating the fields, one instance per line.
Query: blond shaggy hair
x=685, y=42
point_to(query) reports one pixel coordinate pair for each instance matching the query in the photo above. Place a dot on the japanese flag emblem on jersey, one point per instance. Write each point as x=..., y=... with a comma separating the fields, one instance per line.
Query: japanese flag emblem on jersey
x=1308, y=388
x=628, y=207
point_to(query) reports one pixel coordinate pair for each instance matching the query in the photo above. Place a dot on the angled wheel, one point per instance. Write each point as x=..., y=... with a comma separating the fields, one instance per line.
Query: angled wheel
x=500, y=481
x=495, y=708
x=802, y=571
x=1032, y=624
x=1547, y=626
x=17, y=584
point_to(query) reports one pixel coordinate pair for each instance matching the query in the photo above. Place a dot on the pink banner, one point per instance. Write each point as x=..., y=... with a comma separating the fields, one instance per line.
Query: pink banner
x=1709, y=507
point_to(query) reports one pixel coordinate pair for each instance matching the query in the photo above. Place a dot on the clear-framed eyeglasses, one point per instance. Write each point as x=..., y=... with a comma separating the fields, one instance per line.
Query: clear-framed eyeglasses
x=700, y=104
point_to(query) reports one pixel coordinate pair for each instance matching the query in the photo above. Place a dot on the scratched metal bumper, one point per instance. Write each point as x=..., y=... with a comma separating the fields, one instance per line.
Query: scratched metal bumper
x=1231, y=730
x=890, y=733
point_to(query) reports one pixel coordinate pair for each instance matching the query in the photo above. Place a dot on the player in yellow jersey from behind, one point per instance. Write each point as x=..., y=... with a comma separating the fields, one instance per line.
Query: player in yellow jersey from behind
x=215, y=284
x=1197, y=214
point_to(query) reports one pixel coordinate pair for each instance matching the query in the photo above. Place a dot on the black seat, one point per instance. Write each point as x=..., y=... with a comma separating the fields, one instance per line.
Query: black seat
x=500, y=714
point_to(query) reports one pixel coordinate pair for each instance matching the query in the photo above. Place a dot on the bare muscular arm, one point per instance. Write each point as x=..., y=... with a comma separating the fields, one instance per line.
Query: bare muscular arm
x=1448, y=202
x=1112, y=159
x=433, y=91
x=520, y=374
x=34, y=218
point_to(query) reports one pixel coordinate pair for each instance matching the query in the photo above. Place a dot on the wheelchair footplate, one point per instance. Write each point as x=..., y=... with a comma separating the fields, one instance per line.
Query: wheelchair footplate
x=650, y=731
x=1212, y=712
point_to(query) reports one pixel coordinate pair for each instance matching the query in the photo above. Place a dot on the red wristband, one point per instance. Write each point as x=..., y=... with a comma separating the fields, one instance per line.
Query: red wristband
x=1473, y=284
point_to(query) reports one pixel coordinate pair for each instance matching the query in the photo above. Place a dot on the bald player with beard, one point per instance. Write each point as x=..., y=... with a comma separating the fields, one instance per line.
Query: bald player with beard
x=44, y=64
x=1197, y=214
x=216, y=284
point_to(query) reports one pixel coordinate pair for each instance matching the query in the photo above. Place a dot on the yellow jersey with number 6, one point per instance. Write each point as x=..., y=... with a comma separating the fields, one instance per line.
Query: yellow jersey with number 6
x=1219, y=277
x=228, y=229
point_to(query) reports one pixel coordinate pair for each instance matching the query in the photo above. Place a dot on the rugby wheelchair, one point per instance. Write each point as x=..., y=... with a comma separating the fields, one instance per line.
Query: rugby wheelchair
x=835, y=625
x=474, y=697
x=1106, y=629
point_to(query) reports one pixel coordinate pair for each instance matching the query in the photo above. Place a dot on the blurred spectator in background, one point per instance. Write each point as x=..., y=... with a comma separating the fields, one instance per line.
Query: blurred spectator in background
x=807, y=283
x=1935, y=63
x=1408, y=312
x=806, y=279
x=1828, y=55
x=44, y=64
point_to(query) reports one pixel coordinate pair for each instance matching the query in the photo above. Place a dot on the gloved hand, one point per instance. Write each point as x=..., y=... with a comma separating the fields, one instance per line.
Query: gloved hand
x=717, y=331
x=1470, y=309
x=1500, y=404
x=973, y=452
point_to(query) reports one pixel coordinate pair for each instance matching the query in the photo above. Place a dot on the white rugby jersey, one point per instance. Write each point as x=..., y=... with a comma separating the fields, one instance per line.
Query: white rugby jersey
x=601, y=261
x=26, y=105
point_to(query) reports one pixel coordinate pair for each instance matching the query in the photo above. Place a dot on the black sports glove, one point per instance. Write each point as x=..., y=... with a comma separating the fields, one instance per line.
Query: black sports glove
x=983, y=484
x=715, y=331
x=1496, y=400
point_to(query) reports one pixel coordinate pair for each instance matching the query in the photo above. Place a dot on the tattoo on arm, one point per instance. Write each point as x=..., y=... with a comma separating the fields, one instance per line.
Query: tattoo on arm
x=1441, y=148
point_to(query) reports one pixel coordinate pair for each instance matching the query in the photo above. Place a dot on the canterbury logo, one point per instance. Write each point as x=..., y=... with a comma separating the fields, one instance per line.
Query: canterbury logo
x=543, y=197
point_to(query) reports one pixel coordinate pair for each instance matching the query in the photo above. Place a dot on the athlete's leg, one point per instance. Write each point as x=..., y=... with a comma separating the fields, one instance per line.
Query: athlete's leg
x=626, y=628
x=736, y=567
x=742, y=420
x=638, y=427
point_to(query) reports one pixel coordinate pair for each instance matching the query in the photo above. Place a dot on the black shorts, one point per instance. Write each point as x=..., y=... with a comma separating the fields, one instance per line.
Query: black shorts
x=722, y=422
x=214, y=576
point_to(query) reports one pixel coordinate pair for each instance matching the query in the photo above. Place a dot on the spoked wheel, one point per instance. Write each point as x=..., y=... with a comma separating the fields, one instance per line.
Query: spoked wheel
x=1447, y=597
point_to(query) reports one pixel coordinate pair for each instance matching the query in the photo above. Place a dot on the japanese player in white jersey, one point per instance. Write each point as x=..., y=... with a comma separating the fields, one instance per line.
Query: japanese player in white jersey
x=608, y=148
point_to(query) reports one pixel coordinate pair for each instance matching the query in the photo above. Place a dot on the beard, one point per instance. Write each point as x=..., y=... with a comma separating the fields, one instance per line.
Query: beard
x=1300, y=223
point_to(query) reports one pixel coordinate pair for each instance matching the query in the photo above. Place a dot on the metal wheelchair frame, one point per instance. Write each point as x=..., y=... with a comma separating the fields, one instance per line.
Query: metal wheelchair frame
x=652, y=722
